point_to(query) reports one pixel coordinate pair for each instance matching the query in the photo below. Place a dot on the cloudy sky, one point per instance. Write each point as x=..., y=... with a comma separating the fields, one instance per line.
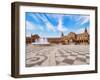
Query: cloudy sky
x=51, y=25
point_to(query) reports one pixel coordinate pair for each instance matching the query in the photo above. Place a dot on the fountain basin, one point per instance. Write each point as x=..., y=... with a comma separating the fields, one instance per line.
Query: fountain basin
x=41, y=42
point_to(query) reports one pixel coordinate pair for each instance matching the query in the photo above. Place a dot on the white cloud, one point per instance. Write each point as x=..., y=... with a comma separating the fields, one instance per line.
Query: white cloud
x=81, y=30
x=50, y=27
x=43, y=18
x=34, y=16
x=60, y=26
x=41, y=28
x=28, y=34
x=46, y=21
x=82, y=20
x=85, y=19
x=30, y=26
x=77, y=18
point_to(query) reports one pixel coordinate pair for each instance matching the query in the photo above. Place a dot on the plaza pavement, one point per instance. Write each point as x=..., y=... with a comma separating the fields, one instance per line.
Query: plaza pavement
x=56, y=55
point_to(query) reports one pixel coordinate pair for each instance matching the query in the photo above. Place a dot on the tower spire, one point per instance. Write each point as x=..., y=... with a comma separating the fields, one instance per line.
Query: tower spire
x=85, y=30
x=62, y=34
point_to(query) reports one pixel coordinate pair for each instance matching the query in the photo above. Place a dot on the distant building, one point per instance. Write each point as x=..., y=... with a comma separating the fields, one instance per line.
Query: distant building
x=32, y=38
x=71, y=38
x=28, y=40
x=54, y=40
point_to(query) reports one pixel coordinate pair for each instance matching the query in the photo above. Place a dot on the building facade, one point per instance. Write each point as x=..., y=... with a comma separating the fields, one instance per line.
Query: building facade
x=73, y=38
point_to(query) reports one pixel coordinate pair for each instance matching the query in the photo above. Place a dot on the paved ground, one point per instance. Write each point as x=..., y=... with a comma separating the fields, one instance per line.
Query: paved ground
x=57, y=55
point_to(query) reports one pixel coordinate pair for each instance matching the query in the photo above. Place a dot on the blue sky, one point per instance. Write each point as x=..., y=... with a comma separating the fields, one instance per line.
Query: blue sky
x=51, y=25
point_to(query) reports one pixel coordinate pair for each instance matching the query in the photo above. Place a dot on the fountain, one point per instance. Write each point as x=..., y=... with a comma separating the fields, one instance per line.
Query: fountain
x=41, y=41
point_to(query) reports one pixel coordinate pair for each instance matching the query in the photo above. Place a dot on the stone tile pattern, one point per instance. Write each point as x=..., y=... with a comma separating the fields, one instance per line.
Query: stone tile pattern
x=57, y=55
